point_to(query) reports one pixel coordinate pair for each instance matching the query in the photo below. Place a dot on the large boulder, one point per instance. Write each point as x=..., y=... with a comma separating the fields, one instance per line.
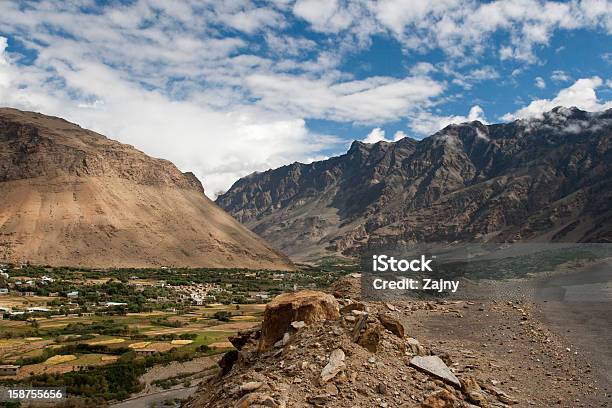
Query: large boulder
x=308, y=306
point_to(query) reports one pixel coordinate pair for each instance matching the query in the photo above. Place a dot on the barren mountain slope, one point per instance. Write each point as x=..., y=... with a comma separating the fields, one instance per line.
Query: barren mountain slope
x=73, y=197
x=547, y=179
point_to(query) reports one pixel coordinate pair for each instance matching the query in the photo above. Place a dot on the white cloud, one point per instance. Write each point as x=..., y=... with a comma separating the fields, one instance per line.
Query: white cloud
x=581, y=95
x=560, y=76
x=426, y=123
x=378, y=135
x=376, y=99
x=461, y=28
x=218, y=146
x=540, y=83
x=323, y=15
x=399, y=135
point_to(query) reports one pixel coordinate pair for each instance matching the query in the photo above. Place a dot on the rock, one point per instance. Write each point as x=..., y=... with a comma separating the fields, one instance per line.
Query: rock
x=392, y=324
x=353, y=306
x=478, y=398
x=250, y=386
x=331, y=389
x=415, y=347
x=505, y=398
x=318, y=400
x=348, y=286
x=334, y=366
x=382, y=388
x=307, y=306
x=244, y=337
x=440, y=399
x=370, y=338
x=284, y=341
x=298, y=325
x=361, y=322
x=227, y=361
x=435, y=366
x=256, y=399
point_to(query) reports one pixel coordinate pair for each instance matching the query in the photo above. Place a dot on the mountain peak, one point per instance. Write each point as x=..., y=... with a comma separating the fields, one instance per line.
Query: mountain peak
x=467, y=182
x=73, y=197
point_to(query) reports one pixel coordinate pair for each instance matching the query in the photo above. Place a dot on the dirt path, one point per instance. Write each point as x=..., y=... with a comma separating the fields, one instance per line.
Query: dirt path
x=578, y=307
x=540, y=367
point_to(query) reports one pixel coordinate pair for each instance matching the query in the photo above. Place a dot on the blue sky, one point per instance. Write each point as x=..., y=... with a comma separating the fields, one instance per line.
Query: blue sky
x=225, y=88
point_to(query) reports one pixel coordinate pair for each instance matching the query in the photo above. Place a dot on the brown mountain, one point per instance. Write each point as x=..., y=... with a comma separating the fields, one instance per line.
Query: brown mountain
x=73, y=197
x=547, y=179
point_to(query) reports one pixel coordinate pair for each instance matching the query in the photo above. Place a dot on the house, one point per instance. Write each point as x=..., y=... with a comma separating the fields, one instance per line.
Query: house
x=27, y=294
x=4, y=291
x=46, y=279
x=53, y=294
x=9, y=369
x=73, y=294
x=38, y=310
x=111, y=304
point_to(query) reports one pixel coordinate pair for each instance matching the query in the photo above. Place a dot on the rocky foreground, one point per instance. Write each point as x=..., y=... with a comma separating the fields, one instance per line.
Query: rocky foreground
x=317, y=349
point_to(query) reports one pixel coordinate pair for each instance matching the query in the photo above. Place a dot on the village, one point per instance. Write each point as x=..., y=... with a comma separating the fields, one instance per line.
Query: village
x=57, y=324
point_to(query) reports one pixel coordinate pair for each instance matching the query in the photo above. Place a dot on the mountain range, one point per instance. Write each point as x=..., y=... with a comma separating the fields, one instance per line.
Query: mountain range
x=545, y=179
x=72, y=197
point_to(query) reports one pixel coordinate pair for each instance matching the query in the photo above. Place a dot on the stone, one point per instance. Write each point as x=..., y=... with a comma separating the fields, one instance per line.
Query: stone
x=334, y=366
x=284, y=341
x=392, y=324
x=298, y=325
x=318, y=400
x=256, y=399
x=331, y=389
x=370, y=338
x=250, y=386
x=361, y=322
x=353, y=306
x=435, y=366
x=440, y=399
x=382, y=388
x=227, y=361
x=244, y=337
x=415, y=347
x=308, y=306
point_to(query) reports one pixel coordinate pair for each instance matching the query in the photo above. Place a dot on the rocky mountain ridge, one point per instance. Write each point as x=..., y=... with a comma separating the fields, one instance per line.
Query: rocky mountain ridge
x=546, y=179
x=72, y=197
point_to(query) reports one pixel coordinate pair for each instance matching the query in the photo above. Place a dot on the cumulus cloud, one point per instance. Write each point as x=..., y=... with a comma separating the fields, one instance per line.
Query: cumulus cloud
x=372, y=100
x=218, y=146
x=378, y=135
x=581, y=94
x=426, y=123
x=540, y=83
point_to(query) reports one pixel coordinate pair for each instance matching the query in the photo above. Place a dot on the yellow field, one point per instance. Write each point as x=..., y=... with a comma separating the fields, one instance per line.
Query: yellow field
x=59, y=359
x=107, y=342
x=221, y=345
x=181, y=342
x=139, y=345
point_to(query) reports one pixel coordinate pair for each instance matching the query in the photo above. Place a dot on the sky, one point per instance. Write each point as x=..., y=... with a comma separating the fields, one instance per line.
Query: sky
x=226, y=88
